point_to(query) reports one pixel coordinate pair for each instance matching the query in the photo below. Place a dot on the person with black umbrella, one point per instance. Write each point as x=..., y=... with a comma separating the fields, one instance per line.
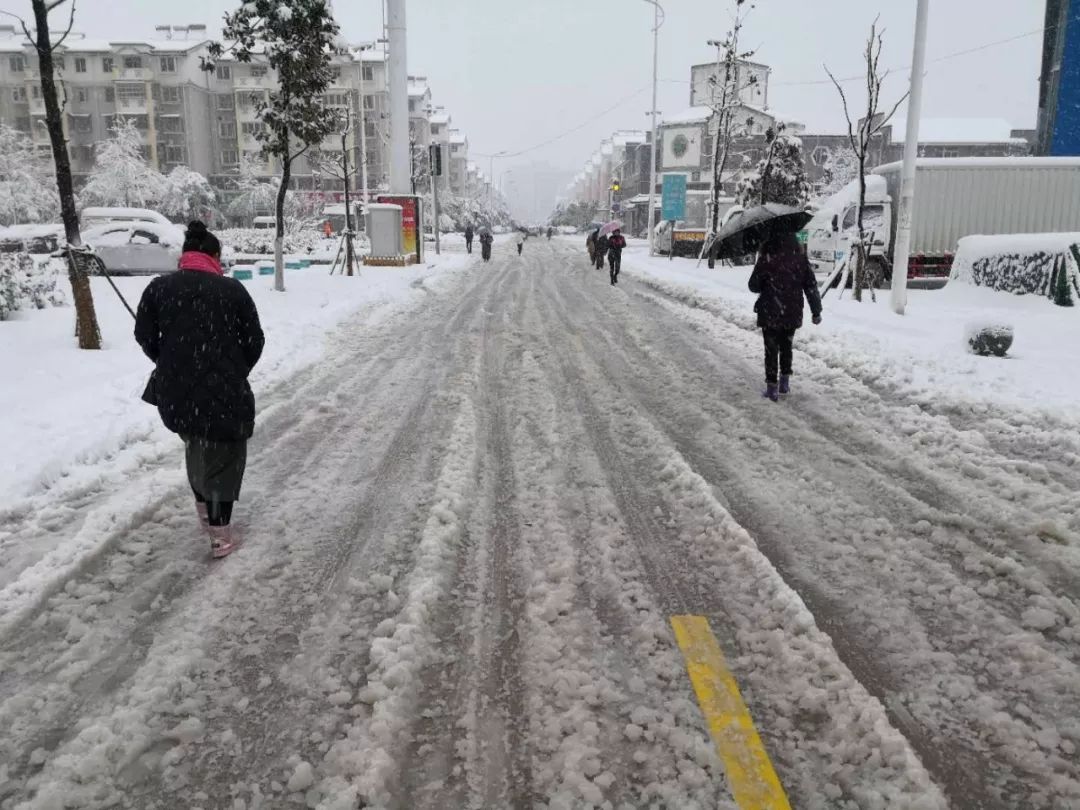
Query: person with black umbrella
x=781, y=278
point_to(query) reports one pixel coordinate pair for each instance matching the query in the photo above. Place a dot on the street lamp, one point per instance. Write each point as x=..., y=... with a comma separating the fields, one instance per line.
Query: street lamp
x=658, y=20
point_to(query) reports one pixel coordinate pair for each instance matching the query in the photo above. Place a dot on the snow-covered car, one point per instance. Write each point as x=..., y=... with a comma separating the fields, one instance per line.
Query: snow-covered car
x=92, y=217
x=31, y=238
x=136, y=248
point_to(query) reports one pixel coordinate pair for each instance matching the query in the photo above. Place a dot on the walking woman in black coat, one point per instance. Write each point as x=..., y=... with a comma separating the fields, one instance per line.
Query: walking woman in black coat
x=781, y=277
x=202, y=332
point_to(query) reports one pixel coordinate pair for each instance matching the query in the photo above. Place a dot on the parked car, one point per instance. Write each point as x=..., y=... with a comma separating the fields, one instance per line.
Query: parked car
x=136, y=248
x=36, y=239
x=91, y=217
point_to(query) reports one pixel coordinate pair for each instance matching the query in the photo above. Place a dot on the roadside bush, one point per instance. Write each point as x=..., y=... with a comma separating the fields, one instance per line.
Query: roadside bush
x=990, y=340
x=260, y=241
x=27, y=284
x=1032, y=264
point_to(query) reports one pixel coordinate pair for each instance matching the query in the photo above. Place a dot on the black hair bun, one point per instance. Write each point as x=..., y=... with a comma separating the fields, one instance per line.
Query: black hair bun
x=196, y=228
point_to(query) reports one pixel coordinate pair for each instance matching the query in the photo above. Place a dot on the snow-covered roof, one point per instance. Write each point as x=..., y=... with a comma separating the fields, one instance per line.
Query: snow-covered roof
x=87, y=46
x=441, y=118
x=628, y=137
x=418, y=88
x=694, y=115
x=741, y=61
x=957, y=130
x=13, y=45
x=457, y=138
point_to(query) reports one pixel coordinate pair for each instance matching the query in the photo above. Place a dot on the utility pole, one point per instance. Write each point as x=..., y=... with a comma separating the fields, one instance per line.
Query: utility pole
x=363, y=130
x=657, y=22
x=902, y=249
x=435, y=165
x=400, y=148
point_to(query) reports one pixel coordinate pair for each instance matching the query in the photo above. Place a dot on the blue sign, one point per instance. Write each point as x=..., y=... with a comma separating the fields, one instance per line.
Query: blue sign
x=673, y=197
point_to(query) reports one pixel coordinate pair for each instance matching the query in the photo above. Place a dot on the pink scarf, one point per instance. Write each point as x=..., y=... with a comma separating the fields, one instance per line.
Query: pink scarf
x=200, y=262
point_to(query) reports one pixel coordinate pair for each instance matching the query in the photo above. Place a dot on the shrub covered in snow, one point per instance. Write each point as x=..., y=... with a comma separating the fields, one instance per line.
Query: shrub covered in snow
x=26, y=284
x=260, y=241
x=1027, y=264
x=988, y=340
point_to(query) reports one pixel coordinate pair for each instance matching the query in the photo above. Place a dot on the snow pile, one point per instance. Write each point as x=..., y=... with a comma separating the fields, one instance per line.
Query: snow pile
x=26, y=284
x=260, y=241
x=1025, y=264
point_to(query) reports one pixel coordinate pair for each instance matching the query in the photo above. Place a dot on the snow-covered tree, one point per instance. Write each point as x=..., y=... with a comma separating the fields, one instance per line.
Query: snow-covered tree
x=45, y=43
x=780, y=176
x=255, y=197
x=861, y=135
x=27, y=180
x=188, y=195
x=296, y=38
x=121, y=174
x=841, y=166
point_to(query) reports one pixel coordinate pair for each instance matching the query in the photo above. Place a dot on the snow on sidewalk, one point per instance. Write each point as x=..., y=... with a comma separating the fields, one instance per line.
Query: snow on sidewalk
x=923, y=355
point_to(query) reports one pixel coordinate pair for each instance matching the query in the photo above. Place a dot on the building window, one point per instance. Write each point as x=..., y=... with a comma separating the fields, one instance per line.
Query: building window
x=107, y=64
x=226, y=102
x=110, y=95
x=17, y=64
x=81, y=95
x=18, y=94
x=369, y=102
x=369, y=129
x=254, y=156
x=81, y=123
x=131, y=95
x=337, y=100
x=335, y=74
x=170, y=95
x=367, y=72
x=172, y=123
x=224, y=72
x=35, y=92
x=258, y=71
x=132, y=62
x=950, y=153
x=227, y=129
x=174, y=154
x=168, y=64
x=251, y=128
x=229, y=157
x=59, y=63
x=80, y=64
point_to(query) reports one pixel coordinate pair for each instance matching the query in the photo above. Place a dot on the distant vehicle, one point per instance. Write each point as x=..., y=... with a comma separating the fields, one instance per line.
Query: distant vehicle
x=686, y=237
x=136, y=248
x=91, y=217
x=955, y=197
x=264, y=223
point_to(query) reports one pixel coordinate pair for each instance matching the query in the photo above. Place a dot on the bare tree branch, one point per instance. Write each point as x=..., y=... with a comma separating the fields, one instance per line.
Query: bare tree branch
x=71, y=24
x=22, y=24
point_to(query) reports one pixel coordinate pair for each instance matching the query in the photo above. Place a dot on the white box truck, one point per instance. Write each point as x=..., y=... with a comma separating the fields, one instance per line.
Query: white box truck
x=954, y=197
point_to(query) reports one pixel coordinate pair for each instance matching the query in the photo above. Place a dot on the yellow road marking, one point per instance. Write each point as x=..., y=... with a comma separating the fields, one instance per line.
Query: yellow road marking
x=754, y=784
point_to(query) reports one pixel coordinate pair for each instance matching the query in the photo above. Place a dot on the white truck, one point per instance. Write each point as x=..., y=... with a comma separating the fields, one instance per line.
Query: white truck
x=954, y=197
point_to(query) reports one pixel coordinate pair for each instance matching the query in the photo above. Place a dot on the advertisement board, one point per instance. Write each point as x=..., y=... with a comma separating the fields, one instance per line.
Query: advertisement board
x=673, y=197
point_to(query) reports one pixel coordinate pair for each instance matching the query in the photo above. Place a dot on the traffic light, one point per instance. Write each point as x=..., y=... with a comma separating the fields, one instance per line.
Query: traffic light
x=615, y=185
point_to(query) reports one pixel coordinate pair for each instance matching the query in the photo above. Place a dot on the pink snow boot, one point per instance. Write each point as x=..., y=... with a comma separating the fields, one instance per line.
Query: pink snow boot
x=222, y=541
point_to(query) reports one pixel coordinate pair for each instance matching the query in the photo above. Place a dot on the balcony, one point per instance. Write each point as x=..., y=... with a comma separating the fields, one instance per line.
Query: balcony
x=253, y=82
x=132, y=106
x=134, y=75
x=37, y=106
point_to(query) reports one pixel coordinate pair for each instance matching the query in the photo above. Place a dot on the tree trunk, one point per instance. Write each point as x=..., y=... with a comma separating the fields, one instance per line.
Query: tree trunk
x=86, y=324
x=279, y=225
x=349, y=256
x=857, y=250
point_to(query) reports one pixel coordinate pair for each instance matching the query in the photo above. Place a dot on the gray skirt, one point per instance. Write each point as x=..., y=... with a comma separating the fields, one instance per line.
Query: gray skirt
x=216, y=469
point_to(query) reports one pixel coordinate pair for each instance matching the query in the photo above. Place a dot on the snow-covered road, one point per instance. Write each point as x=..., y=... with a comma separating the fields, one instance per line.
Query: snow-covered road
x=468, y=528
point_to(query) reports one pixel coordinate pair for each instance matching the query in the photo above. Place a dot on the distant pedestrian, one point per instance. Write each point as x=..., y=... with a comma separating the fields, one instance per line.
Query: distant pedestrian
x=520, y=239
x=468, y=237
x=781, y=277
x=202, y=332
x=550, y=232
x=601, y=250
x=615, y=246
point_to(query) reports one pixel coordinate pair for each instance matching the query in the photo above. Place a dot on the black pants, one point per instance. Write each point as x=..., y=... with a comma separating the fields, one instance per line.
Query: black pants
x=600, y=259
x=468, y=245
x=520, y=246
x=216, y=473
x=777, y=352
x=615, y=264
x=218, y=513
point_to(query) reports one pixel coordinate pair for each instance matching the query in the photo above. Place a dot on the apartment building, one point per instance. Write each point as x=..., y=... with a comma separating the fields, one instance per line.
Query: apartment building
x=205, y=120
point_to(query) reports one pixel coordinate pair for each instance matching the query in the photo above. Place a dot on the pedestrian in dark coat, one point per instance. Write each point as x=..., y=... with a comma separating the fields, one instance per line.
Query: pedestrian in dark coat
x=601, y=250
x=590, y=245
x=782, y=277
x=468, y=237
x=615, y=247
x=202, y=332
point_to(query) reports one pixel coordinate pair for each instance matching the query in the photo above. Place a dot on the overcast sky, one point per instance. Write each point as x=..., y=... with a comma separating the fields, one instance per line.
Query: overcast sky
x=516, y=73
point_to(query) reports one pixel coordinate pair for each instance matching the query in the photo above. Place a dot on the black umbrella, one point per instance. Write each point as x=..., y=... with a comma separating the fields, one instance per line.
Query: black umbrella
x=748, y=230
